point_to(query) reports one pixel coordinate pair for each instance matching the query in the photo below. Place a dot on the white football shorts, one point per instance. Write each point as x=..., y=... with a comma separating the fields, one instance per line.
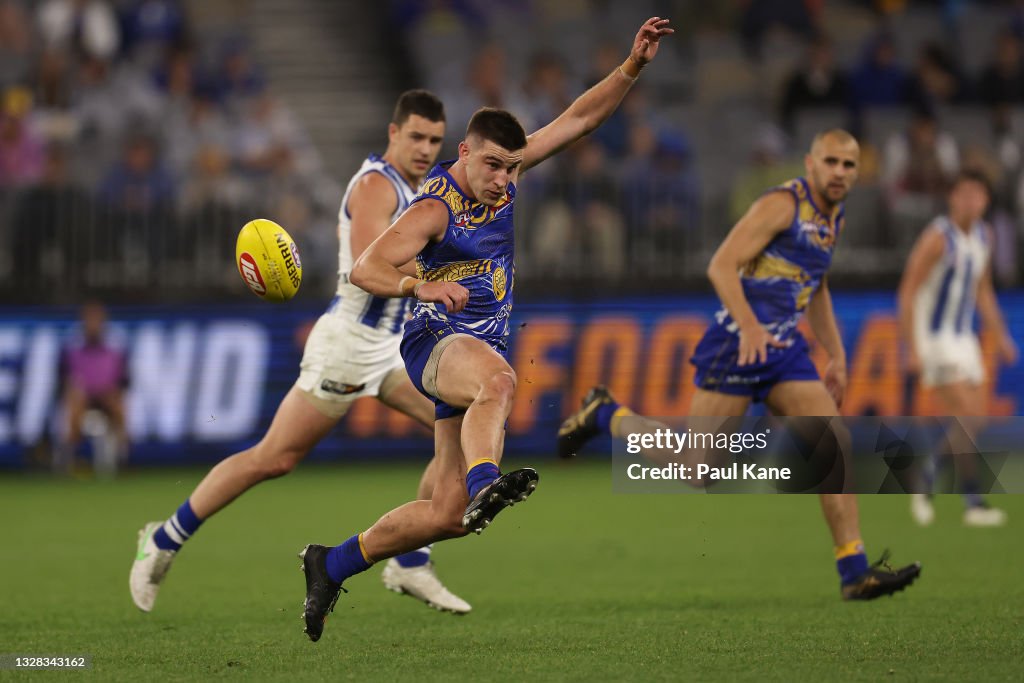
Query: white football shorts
x=345, y=360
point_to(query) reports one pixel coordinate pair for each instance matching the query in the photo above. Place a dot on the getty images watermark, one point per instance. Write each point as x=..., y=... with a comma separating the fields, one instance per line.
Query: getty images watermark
x=818, y=455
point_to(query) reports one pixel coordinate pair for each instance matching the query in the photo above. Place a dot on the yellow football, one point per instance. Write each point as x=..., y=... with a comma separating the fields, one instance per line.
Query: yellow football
x=268, y=260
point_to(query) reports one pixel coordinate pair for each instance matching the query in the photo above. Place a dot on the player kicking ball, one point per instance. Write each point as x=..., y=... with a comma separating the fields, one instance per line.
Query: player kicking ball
x=351, y=352
x=460, y=231
x=948, y=275
x=769, y=271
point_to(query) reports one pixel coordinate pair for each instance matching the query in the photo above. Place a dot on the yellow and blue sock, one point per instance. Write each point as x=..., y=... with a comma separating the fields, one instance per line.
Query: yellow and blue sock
x=415, y=558
x=178, y=529
x=851, y=561
x=481, y=474
x=609, y=415
x=347, y=559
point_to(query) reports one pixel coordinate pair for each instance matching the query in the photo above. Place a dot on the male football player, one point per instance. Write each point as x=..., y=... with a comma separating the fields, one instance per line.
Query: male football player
x=768, y=272
x=459, y=230
x=351, y=352
x=948, y=273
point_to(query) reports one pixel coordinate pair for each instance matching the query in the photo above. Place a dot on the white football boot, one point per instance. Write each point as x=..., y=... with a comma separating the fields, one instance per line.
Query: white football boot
x=921, y=509
x=984, y=516
x=422, y=583
x=150, y=567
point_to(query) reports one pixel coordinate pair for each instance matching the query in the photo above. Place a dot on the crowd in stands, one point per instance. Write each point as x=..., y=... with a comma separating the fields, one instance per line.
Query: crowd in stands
x=650, y=187
x=131, y=140
x=131, y=136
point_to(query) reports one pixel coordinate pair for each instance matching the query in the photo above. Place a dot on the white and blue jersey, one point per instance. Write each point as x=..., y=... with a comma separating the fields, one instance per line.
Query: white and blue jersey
x=380, y=313
x=778, y=284
x=944, y=306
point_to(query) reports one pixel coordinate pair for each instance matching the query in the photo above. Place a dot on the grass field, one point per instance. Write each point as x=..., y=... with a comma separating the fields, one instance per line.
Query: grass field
x=578, y=584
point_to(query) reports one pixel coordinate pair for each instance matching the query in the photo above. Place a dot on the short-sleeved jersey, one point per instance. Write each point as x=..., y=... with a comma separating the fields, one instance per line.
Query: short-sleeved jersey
x=944, y=305
x=780, y=281
x=477, y=251
x=352, y=302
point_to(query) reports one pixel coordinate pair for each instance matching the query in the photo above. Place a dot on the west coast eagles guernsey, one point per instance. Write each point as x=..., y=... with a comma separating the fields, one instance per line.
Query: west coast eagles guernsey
x=477, y=251
x=780, y=281
x=384, y=314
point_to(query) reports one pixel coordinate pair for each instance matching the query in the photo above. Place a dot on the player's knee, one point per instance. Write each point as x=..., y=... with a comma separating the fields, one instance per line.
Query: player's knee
x=271, y=464
x=501, y=387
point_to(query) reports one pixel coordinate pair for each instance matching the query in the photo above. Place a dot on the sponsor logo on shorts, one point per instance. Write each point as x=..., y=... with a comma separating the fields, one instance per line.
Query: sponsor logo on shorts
x=341, y=388
x=251, y=273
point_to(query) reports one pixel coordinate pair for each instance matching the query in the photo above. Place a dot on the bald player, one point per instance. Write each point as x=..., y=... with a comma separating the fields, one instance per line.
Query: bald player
x=769, y=272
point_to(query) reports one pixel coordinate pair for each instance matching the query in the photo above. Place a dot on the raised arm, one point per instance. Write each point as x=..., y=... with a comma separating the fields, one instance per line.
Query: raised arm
x=767, y=217
x=378, y=272
x=593, y=107
x=927, y=251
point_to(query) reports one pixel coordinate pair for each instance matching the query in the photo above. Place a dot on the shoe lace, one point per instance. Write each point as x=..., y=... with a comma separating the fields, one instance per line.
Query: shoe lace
x=883, y=561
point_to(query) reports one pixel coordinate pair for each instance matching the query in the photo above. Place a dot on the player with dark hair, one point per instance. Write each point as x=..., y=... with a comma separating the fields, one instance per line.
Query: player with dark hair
x=948, y=275
x=769, y=271
x=351, y=352
x=459, y=231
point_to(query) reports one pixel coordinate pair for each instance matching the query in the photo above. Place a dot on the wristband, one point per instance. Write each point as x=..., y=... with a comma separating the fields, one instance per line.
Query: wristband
x=408, y=288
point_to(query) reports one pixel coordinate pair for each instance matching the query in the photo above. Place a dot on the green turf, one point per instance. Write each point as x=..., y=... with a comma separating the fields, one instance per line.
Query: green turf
x=578, y=584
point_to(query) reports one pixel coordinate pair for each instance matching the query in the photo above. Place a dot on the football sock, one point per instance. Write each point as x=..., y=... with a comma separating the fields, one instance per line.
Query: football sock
x=851, y=561
x=615, y=422
x=347, y=559
x=972, y=498
x=178, y=529
x=416, y=558
x=481, y=474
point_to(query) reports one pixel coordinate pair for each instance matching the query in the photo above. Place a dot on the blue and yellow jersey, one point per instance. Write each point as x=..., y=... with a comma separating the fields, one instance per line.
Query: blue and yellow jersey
x=477, y=251
x=781, y=280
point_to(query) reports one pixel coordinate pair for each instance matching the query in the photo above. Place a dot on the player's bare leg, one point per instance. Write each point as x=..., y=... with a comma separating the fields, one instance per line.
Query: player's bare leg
x=859, y=580
x=472, y=375
x=413, y=573
x=966, y=401
x=406, y=528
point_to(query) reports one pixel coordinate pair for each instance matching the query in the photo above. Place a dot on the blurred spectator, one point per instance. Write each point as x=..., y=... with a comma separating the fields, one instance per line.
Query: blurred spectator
x=767, y=168
x=579, y=216
x=239, y=78
x=138, y=183
x=486, y=86
x=150, y=28
x=52, y=81
x=268, y=141
x=211, y=183
x=87, y=26
x=918, y=165
x=53, y=209
x=936, y=79
x=21, y=149
x=759, y=16
x=921, y=160
x=879, y=80
x=109, y=102
x=818, y=83
x=1002, y=81
x=15, y=43
x=662, y=193
x=94, y=376
x=546, y=89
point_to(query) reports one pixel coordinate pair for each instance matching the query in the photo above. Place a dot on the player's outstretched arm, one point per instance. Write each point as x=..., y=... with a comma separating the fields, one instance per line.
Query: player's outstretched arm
x=767, y=217
x=822, y=319
x=992, y=318
x=928, y=250
x=593, y=107
x=378, y=269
